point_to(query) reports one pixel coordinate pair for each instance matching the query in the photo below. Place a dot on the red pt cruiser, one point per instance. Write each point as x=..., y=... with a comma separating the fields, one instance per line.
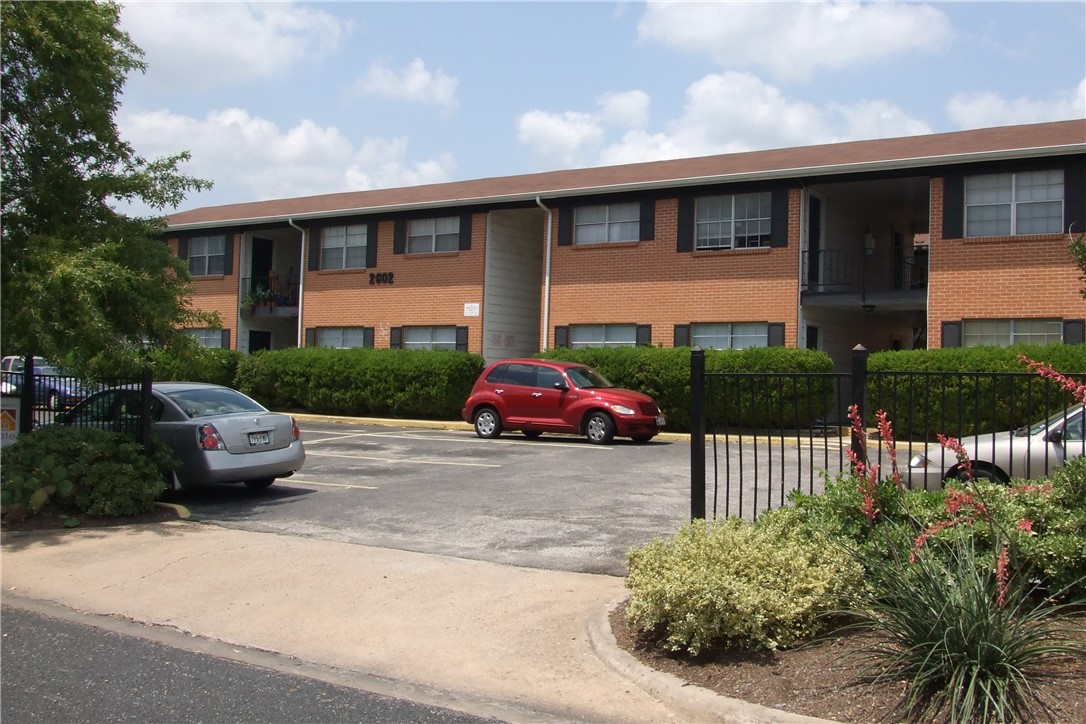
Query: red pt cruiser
x=537, y=396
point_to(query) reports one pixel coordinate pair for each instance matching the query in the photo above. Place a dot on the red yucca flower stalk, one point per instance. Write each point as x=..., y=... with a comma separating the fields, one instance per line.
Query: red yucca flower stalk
x=1077, y=389
x=868, y=475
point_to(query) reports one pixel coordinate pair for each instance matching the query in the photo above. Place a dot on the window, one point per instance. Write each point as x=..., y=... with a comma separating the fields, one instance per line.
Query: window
x=733, y=222
x=607, y=223
x=730, y=335
x=211, y=338
x=429, y=338
x=425, y=236
x=1005, y=332
x=1012, y=204
x=342, y=337
x=343, y=247
x=207, y=255
x=602, y=335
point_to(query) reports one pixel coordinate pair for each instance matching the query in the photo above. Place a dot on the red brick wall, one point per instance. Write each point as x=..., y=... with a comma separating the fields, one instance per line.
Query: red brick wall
x=427, y=289
x=998, y=277
x=649, y=282
x=218, y=293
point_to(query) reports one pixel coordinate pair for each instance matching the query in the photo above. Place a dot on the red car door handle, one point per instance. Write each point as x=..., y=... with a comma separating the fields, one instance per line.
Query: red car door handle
x=498, y=391
x=537, y=394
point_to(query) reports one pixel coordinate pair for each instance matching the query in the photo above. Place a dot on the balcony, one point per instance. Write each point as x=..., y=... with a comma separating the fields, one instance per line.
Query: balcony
x=271, y=296
x=833, y=278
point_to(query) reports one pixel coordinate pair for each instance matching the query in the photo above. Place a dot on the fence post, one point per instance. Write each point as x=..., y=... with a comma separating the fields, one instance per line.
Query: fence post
x=697, y=433
x=146, y=378
x=858, y=394
x=27, y=396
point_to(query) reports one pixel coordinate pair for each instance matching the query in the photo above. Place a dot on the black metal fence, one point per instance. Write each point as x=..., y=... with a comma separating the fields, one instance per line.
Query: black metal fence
x=756, y=438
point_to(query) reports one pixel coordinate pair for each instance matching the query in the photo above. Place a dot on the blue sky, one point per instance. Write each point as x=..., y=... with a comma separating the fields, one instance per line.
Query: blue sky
x=282, y=99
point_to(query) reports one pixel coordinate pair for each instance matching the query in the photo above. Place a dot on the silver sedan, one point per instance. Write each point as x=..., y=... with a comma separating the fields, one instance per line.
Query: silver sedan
x=1032, y=451
x=216, y=433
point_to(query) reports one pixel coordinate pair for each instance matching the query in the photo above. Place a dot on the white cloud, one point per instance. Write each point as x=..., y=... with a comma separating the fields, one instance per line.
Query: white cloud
x=723, y=113
x=792, y=40
x=205, y=44
x=984, y=109
x=413, y=83
x=568, y=139
x=251, y=158
x=630, y=108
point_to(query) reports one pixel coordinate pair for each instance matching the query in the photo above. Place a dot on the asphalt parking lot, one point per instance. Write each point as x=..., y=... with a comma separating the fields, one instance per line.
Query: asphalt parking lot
x=556, y=502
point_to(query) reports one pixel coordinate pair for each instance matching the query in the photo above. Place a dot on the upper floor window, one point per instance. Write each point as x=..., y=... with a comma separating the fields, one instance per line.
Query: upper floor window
x=1005, y=332
x=429, y=337
x=207, y=255
x=730, y=335
x=344, y=247
x=737, y=221
x=342, y=337
x=425, y=236
x=602, y=335
x=607, y=223
x=1013, y=204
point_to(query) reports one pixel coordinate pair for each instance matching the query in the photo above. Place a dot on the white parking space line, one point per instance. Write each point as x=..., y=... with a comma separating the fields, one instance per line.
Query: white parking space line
x=335, y=436
x=402, y=460
x=294, y=480
x=480, y=441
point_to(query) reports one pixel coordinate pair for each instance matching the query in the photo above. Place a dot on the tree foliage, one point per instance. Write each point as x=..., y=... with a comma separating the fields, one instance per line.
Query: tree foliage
x=1077, y=247
x=79, y=277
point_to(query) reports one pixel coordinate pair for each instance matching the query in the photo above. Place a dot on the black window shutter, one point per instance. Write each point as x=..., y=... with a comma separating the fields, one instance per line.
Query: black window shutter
x=778, y=221
x=565, y=226
x=226, y=339
x=952, y=334
x=561, y=337
x=461, y=339
x=648, y=220
x=954, y=212
x=399, y=237
x=228, y=256
x=685, y=240
x=367, y=337
x=1074, y=331
x=183, y=248
x=395, y=337
x=310, y=336
x=314, y=248
x=775, y=334
x=465, y=231
x=682, y=335
x=371, y=246
x=644, y=335
x=1074, y=199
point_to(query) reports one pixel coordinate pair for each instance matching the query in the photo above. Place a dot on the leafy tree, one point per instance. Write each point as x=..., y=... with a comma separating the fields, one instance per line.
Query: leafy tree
x=1077, y=246
x=80, y=278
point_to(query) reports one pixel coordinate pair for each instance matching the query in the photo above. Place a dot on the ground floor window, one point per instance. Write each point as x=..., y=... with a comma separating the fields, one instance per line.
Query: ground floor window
x=429, y=337
x=342, y=337
x=1005, y=332
x=602, y=335
x=730, y=335
x=210, y=338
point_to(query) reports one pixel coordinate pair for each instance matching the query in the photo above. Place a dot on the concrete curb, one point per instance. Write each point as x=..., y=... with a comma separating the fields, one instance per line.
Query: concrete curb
x=691, y=701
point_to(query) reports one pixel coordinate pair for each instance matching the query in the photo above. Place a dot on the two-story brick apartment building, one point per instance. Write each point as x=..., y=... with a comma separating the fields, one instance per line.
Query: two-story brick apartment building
x=926, y=241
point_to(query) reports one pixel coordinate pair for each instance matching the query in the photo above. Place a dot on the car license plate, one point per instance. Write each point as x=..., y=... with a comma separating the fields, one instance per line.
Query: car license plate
x=661, y=420
x=259, y=438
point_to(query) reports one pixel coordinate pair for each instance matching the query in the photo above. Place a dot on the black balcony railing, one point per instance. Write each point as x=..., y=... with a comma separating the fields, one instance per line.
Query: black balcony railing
x=274, y=289
x=840, y=272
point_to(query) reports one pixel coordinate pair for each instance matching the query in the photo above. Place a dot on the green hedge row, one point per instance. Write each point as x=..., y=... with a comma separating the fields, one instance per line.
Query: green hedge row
x=361, y=382
x=787, y=399
x=985, y=389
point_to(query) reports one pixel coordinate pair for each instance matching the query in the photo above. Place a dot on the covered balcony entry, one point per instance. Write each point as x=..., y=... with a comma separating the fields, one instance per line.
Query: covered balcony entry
x=269, y=291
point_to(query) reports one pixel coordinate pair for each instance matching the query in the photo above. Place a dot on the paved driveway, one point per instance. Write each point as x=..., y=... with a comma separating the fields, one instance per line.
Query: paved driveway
x=554, y=502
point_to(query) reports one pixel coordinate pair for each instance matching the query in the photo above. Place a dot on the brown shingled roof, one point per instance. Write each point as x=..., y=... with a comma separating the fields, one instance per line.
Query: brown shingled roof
x=788, y=162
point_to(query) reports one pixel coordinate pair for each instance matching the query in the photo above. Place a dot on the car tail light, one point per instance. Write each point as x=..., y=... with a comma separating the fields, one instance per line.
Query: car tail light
x=208, y=438
x=294, y=431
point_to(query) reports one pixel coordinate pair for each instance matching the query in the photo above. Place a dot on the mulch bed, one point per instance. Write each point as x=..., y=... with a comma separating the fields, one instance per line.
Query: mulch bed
x=53, y=520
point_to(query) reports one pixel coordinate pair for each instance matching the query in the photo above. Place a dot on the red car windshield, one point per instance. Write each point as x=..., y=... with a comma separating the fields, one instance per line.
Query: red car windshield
x=586, y=377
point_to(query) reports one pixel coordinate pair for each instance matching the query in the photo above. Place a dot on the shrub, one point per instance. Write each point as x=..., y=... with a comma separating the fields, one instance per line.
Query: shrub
x=759, y=586
x=108, y=472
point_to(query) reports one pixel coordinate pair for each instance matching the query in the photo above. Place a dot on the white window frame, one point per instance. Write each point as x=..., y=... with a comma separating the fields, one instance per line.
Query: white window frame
x=995, y=200
x=430, y=337
x=207, y=255
x=208, y=338
x=1006, y=332
x=727, y=221
x=729, y=335
x=344, y=246
x=429, y=236
x=341, y=337
x=602, y=335
x=607, y=223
